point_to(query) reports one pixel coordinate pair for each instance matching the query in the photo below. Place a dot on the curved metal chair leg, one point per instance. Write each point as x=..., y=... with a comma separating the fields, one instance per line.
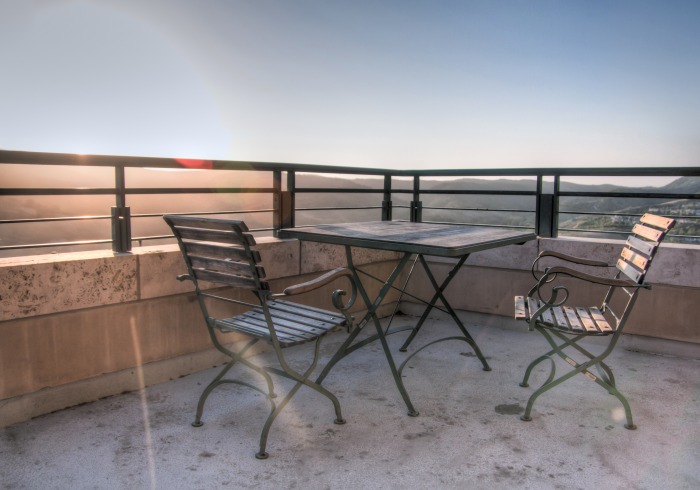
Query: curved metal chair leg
x=205, y=394
x=532, y=365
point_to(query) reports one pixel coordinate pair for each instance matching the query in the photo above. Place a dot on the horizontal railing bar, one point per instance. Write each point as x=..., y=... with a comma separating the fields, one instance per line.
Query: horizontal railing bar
x=44, y=158
x=202, y=213
x=132, y=191
x=480, y=224
x=622, y=232
x=54, y=244
x=340, y=190
x=93, y=191
x=628, y=215
x=41, y=220
x=339, y=209
x=479, y=193
x=201, y=190
x=635, y=195
x=481, y=209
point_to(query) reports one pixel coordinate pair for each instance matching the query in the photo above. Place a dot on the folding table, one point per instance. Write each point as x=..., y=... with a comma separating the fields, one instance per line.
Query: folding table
x=408, y=238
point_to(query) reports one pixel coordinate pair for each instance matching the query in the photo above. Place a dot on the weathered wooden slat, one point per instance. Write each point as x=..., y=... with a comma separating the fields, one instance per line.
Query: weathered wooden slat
x=532, y=307
x=629, y=271
x=658, y=221
x=288, y=329
x=219, y=236
x=204, y=222
x=227, y=279
x=573, y=319
x=560, y=318
x=647, y=248
x=294, y=322
x=547, y=317
x=600, y=320
x=639, y=261
x=586, y=319
x=226, y=266
x=520, y=313
x=219, y=251
x=648, y=233
x=304, y=310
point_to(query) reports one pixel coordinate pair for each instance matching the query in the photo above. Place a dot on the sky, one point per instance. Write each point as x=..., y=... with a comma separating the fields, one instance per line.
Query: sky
x=405, y=84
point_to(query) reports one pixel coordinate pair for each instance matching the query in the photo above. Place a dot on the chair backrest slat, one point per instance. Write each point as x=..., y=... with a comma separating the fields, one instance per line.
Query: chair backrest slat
x=658, y=221
x=638, y=260
x=647, y=248
x=227, y=279
x=240, y=269
x=209, y=235
x=630, y=271
x=218, y=251
x=648, y=233
x=642, y=245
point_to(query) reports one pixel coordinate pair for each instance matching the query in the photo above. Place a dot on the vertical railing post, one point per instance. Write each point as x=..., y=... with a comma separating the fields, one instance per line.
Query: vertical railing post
x=276, y=201
x=283, y=202
x=416, y=204
x=547, y=210
x=121, y=216
x=386, y=202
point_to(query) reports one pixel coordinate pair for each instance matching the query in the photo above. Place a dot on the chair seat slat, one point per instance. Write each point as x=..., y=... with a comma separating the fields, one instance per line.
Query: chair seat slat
x=560, y=318
x=573, y=319
x=520, y=312
x=586, y=320
x=600, y=320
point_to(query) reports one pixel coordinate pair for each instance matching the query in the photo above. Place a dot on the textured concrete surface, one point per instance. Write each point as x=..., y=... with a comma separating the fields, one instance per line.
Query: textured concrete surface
x=468, y=434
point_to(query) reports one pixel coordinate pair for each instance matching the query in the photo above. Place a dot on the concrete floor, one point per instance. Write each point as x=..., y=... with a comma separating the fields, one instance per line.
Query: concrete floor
x=468, y=434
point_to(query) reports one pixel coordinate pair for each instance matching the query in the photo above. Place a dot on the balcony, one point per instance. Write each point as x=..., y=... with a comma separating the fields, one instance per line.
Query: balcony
x=115, y=330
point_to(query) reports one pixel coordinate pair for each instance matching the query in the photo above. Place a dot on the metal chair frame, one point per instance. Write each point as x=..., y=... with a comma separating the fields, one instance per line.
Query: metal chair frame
x=222, y=253
x=545, y=309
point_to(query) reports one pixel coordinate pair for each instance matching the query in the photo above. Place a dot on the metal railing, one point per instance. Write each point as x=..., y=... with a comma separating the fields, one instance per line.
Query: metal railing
x=393, y=193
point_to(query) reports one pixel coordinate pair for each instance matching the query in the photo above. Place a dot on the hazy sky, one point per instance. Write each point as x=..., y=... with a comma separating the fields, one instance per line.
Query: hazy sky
x=399, y=84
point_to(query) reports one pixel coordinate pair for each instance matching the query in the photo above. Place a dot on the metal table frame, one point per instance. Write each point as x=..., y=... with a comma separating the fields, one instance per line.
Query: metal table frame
x=418, y=239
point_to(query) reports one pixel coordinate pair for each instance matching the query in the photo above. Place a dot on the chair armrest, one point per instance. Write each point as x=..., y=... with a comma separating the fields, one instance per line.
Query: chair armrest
x=571, y=258
x=625, y=283
x=316, y=283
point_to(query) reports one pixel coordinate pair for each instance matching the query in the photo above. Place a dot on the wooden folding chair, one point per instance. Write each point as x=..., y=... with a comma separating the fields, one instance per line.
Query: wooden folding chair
x=547, y=310
x=222, y=253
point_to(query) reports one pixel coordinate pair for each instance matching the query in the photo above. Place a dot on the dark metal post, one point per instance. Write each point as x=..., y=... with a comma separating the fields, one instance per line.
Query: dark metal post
x=121, y=216
x=289, y=202
x=277, y=216
x=386, y=203
x=416, y=204
x=547, y=210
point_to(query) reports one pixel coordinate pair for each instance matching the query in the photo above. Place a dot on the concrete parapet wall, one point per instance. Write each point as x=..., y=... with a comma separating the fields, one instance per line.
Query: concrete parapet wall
x=69, y=322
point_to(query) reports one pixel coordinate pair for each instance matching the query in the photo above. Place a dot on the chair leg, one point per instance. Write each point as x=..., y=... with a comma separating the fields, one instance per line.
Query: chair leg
x=606, y=379
x=205, y=394
x=301, y=380
x=218, y=380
